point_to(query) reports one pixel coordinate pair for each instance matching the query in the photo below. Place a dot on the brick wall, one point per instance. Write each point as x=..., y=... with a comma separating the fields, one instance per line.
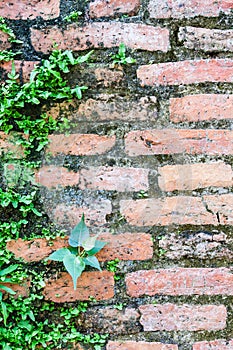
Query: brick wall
x=149, y=162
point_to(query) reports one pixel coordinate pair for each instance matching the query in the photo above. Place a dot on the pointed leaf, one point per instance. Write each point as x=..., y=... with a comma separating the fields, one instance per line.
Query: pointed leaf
x=58, y=255
x=92, y=261
x=8, y=270
x=89, y=243
x=98, y=246
x=79, y=234
x=4, y=312
x=7, y=289
x=75, y=266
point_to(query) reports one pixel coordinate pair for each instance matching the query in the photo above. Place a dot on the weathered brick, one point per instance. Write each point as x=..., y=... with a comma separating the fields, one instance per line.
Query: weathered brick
x=70, y=215
x=108, y=77
x=25, y=9
x=80, y=144
x=180, y=281
x=194, y=108
x=171, y=317
x=206, y=39
x=186, y=72
x=140, y=345
x=54, y=176
x=110, y=320
x=221, y=207
x=114, y=179
x=98, y=284
x=114, y=107
x=36, y=249
x=175, y=141
x=199, y=245
x=219, y=344
x=209, y=210
x=111, y=8
x=101, y=34
x=125, y=246
x=193, y=176
x=188, y=9
x=4, y=43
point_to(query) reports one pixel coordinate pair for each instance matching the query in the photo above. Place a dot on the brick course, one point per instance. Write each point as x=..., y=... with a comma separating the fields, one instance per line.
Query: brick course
x=187, y=9
x=209, y=210
x=171, y=317
x=178, y=73
x=193, y=176
x=99, y=285
x=180, y=281
x=179, y=141
x=97, y=35
x=110, y=8
x=194, y=108
x=24, y=9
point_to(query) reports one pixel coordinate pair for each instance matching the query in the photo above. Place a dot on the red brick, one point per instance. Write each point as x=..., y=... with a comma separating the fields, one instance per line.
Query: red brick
x=220, y=206
x=188, y=9
x=209, y=210
x=125, y=246
x=95, y=213
x=219, y=344
x=194, y=108
x=53, y=176
x=200, y=245
x=101, y=34
x=171, y=317
x=114, y=179
x=36, y=249
x=186, y=72
x=25, y=9
x=115, y=107
x=110, y=320
x=180, y=281
x=4, y=43
x=108, y=77
x=206, y=39
x=110, y=8
x=140, y=345
x=80, y=144
x=98, y=284
x=193, y=176
x=175, y=141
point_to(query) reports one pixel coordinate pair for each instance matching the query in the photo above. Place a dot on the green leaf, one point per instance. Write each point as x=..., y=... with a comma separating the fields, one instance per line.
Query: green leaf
x=58, y=255
x=89, y=243
x=121, y=49
x=75, y=266
x=98, y=246
x=84, y=58
x=79, y=234
x=7, y=289
x=4, y=312
x=8, y=270
x=93, y=262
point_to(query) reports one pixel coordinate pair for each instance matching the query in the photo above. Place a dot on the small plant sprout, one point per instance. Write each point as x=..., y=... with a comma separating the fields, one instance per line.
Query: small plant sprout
x=121, y=57
x=73, y=16
x=5, y=279
x=80, y=253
